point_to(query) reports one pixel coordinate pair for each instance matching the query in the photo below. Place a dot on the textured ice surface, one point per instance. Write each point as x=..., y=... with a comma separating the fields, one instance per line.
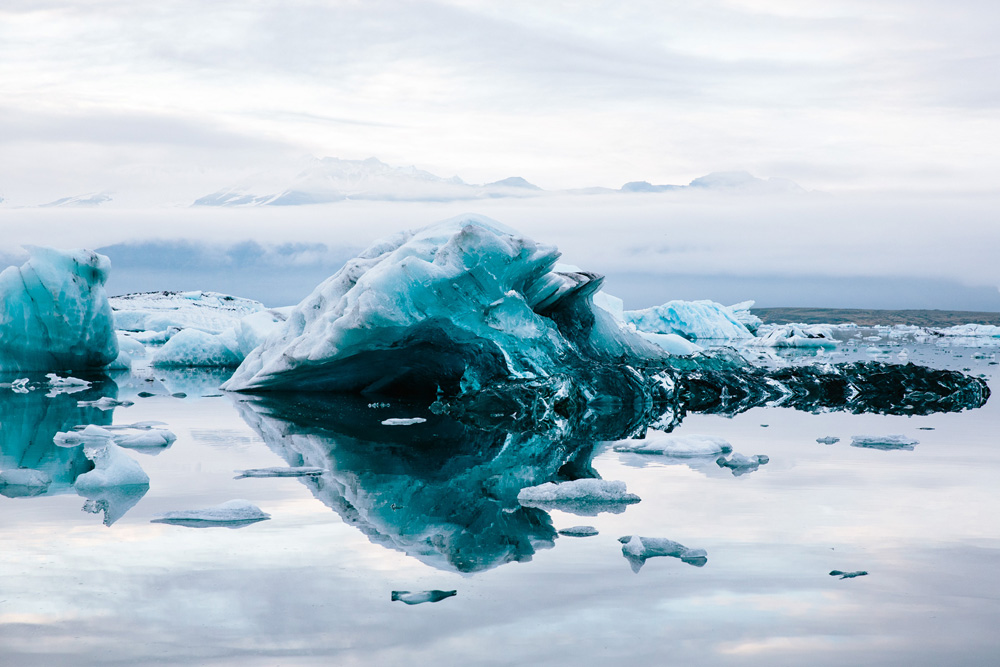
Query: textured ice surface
x=146, y=439
x=193, y=347
x=586, y=497
x=848, y=575
x=638, y=549
x=403, y=421
x=458, y=303
x=693, y=320
x=129, y=349
x=680, y=446
x=884, y=441
x=287, y=471
x=795, y=335
x=91, y=434
x=55, y=313
x=230, y=514
x=672, y=343
x=742, y=464
x=112, y=467
x=578, y=531
x=418, y=597
x=23, y=482
x=159, y=311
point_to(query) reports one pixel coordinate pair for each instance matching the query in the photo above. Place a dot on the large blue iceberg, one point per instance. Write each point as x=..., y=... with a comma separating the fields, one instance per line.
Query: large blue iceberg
x=55, y=313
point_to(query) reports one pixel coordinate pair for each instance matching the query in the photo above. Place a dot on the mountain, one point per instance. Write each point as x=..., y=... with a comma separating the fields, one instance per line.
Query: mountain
x=92, y=199
x=332, y=179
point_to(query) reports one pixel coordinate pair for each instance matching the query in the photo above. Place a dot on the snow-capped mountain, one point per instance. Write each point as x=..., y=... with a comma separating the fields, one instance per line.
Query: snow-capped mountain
x=90, y=199
x=332, y=179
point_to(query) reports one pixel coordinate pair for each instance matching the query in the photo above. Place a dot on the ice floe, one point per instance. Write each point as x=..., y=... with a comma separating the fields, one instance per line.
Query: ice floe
x=284, y=471
x=884, y=441
x=55, y=312
x=419, y=597
x=586, y=497
x=230, y=514
x=848, y=575
x=403, y=421
x=827, y=440
x=578, y=531
x=24, y=482
x=112, y=467
x=637, y=550
x=678, y=446
x=740, y=464
x=105, y=403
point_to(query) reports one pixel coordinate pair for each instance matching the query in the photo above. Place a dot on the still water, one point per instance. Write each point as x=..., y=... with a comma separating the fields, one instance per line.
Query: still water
x=432, y=506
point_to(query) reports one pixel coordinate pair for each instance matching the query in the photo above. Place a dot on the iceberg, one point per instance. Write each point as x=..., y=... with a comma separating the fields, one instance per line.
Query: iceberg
x=403, y=421
x=193, y=347
x=112, y=468
x=210, y=312
x=795, y=335
x=24, y=482
x=637, y=550
x=230, y=514
x=828, y=440
x=288, y=471
x=55, y=312
x=585, y=497
x=692, y=320
x=848, y=575
x=419, y=597
x=884, y=441
x=684, y=446
x=446, y=308
x=740, y=464
x=578, y=531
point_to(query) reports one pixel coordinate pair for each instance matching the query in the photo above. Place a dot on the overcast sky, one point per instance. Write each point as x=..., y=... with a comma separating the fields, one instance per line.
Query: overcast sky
x=173, y=96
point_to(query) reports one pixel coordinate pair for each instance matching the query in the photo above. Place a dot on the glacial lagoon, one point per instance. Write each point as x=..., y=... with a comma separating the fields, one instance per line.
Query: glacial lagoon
x=420, y=510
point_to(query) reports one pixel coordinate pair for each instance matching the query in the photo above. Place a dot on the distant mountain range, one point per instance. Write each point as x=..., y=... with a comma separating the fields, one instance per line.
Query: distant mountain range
x=330, y=179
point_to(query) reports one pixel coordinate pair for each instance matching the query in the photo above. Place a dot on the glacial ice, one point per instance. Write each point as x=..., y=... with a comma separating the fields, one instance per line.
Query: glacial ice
x=403, y=421
x=884, y=441
x=230, y=514
x=637, y=550
x=693, y=320
x=828, y=440
x=456, y=304
x=586, y=497
x=55, y=312
x=146, y=440
x=578, y=531
x=105, y=403
x=286, y=471
x=419, y=597
x=112, y=467
x=65, y=385
x=23, y=482
x=678, y=446
x=210, y=312
x=741, y=464
x=193, y=347
x=794, y=335
x=848, y=575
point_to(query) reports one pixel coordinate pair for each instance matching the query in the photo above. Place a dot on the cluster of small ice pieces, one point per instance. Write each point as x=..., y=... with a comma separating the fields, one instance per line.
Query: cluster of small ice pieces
x=637, y=550
x=230, y=514
x=586, y=497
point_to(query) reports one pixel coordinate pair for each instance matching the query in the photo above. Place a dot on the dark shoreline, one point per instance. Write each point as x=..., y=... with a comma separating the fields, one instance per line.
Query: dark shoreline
x=868, y=317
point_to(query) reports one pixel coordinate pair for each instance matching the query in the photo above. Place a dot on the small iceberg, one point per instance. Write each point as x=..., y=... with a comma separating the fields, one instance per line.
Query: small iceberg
x=231, y=514
x=419, y=597
x=683, y=446
x=795, y=335
x=578, y=531
x=403, y=421
x=741, y=464
x=885, y=442
x=299, y=471
x=104, y=403
x=828, y=440
x=23, y=482
x=65, y=385
x=147, y=440
x=637, y=550
x=586, y=497
x=112, y=468
x=848, y=575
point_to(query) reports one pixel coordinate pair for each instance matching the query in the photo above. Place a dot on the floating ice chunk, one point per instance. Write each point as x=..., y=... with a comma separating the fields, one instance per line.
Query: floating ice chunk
x=192, y=347
x=418, y=597
x=403, y=421
x=54, y=312
x=253, y=329
x=970, y=330
x=112, y=501
x=65, y=385
x=693, y=320
x=587, y=497
x=230, y=514
x=104, y=403
x=23, y=482
x=827, y=440
x=679, y=446
x=848, y=575
x=741, y=311
x=794, y=335
x=90, y=434
x=147, y=439
x=112, y=467
x=672, y=343
x=639, y=549
x=128, y=350
x=741, y=464
x=884, y=441
x=578, y=531
x=297, y=471
x=160, y=311
x=20, y=386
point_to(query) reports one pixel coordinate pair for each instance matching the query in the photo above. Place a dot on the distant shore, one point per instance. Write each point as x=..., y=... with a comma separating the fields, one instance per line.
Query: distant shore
x=867, y=317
